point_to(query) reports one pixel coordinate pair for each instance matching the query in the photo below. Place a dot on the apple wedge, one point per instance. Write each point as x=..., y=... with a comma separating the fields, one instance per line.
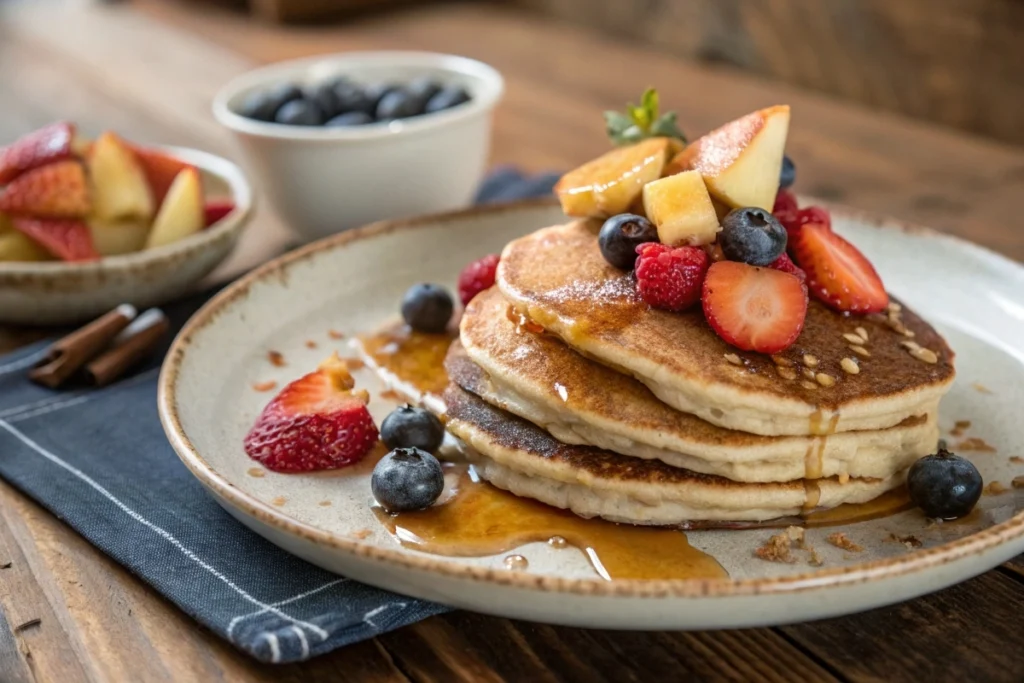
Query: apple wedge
x=740, y=162
x=681, y=208
x=15, y=246
x=112, y=238
x=181, y=213
x=609, y=184
x=119, y=187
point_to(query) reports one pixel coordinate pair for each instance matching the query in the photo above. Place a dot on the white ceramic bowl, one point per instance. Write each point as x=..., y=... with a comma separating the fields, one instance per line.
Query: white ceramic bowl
x=325, y=180
x=56, y=293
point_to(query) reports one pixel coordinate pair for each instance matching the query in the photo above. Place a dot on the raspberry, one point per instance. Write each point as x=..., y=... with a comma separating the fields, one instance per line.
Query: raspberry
x=786, y=265
x=793, y=218
x=477, y=276
x=785, y=203
x=670, y=277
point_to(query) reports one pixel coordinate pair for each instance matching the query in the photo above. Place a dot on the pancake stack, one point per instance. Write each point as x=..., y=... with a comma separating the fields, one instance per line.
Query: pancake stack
x=568, y=389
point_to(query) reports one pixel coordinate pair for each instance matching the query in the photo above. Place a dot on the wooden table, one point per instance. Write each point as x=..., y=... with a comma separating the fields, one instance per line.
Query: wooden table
x=149, y=70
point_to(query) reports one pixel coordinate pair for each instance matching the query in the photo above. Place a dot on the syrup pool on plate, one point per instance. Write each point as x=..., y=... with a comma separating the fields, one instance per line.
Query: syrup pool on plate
x=408, y=358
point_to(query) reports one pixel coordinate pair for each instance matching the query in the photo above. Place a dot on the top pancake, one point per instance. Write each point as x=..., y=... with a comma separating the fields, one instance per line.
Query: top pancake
x=559, y=280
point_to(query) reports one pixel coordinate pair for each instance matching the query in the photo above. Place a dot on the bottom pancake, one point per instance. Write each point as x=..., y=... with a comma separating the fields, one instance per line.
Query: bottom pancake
x=517, y=456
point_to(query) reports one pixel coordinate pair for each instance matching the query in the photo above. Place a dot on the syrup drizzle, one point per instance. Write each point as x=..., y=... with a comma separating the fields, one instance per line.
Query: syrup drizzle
x=416, y=358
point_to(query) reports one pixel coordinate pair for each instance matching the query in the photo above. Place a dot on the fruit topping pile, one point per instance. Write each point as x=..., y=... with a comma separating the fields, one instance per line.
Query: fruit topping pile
x=342, y=102
x=713, y=221
x=64, y=197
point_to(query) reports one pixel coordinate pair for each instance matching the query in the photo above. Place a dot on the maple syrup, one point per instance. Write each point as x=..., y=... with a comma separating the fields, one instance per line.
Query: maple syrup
x=416, y=358
x=479, y=520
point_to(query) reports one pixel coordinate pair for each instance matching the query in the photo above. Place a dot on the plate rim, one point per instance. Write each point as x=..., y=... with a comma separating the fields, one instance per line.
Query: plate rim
x=918, y=560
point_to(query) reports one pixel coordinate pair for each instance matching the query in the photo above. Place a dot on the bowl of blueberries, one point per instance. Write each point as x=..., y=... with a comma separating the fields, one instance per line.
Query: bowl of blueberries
x=338, y=141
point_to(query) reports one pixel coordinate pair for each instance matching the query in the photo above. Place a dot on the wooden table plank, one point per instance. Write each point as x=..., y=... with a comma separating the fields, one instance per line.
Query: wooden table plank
x=86, y=62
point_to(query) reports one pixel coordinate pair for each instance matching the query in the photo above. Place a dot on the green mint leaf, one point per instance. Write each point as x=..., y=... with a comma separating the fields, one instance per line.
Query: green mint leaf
x=666, y=126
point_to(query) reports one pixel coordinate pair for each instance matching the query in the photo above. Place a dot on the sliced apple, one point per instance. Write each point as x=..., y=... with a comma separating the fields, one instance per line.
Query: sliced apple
x=119, y=187
x=15, y=246
x=609, y=184
x=680, y=207
x=741, y=161
x=181, y=213
x=112, y=238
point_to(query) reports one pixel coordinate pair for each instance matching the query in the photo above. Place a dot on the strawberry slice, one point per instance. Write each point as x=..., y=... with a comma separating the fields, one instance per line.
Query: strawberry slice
x=837, y=273
x=160, y=170
x=315, y=423
x=68, y=240
x=754, y=309
x=216, y=209
x=49, y=143
x=57, y=190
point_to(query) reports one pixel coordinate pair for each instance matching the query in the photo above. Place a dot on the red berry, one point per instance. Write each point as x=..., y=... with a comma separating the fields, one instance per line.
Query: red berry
x=670, y=277
x=838, y=274
x=68, y=240
x=754, y=309
x=315, y=423
x=48, y=144
x=477, y=276
x=785, y=203
x=786, y=265
x=216, y=209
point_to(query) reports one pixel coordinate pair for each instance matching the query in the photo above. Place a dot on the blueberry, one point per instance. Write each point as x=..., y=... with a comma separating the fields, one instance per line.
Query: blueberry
x=427, y=308
x=753, y=236
x=410, y=427
x=424, y=88
x=407, y=479
x=300, y=113
x=944, y=485
x=352, y=118
x=325, y=97
x=449, y=97
x=375, y=92
x=264, y=105
x=621, y=235
x=400, y=103
x=788, y=174
x=352, y=97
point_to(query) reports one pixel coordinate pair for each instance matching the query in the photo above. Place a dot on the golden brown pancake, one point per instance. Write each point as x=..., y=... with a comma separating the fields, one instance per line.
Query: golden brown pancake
x=537, y=377
x=518, y=456
x=559, y=280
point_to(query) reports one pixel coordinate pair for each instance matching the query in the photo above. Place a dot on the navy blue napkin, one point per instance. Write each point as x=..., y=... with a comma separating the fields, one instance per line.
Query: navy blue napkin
x=99, y=460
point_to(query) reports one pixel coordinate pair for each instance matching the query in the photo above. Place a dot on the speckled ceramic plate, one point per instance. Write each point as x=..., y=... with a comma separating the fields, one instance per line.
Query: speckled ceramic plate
x=352, y=283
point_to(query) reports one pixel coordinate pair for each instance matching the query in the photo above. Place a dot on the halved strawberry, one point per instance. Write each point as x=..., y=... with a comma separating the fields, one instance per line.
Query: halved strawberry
x=316, y=423
x=754, y=309
x=837, y=273
x=215, y=209
x=68, y=240
x=57, y=190
x=160, y=170
x=49, y=143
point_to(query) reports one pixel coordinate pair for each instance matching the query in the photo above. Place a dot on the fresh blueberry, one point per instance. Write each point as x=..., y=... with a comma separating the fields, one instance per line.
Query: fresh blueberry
x=621, y=235
x=400, y=103
x=427, y=308
x=352, y=97
x=407, y=479
x=788, y=174
x=375, y=92
x=264, y=105
x=447, y=98
x=424, y=88
x=300, y=113
x=410, y=427
x=325, y=97
x=352, y=118
x=944, y=485
x=752, y=235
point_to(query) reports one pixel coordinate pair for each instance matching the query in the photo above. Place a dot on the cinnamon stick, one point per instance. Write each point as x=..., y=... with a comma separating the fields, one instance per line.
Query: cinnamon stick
x=132, y=345
x=67, y=355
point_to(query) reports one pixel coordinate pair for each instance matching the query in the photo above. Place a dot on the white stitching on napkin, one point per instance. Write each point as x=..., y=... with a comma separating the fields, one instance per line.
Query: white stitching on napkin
x=302, y=640
x=374, y=612
x=58, y=401
x=22, y=363
x=160, y=532
x=275, y=648
x=282, y=603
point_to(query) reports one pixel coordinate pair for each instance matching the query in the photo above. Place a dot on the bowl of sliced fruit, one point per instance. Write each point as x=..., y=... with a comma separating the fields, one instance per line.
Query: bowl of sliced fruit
x=339, y=141
x=86, y=225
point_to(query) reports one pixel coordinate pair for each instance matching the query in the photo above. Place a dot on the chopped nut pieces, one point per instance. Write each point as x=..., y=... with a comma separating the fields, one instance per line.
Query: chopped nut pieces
x=264, y=386
x=786, y=373
x=839, y=540
x=927, y=355
x=855, y=339
x=777, y=549
x=959, y=427
x=995, y=488
x=863, y=333
x=784, y=362
x=808, y=385
x=850, y=366
x=825, y=380
x=733, y=358
x=861, y=351
x=894, y=307
x=276, y=359
x=1017, y=483
x=910, y=345
x=981, y=388
x=910, y=542
x=808, y=373
x=975, y=444
x=810, y=361
x=1017, y=459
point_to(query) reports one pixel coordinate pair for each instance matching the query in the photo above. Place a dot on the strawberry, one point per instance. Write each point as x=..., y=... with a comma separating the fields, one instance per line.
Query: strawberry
x=477, y=276
x=670, y=277
x=68, y=240
x=49, y=143
x=216, y=209
x=786, y=265
x=754, y=309
x=315, y=423
x=160, y=170
x=837, y=273
x=57, y=190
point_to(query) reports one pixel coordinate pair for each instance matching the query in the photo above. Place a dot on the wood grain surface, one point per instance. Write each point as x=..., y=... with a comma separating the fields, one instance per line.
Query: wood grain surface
x=149, y=69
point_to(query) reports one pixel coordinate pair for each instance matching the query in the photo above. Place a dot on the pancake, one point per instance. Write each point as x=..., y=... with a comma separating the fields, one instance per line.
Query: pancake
x=520, y=457
x=557, y=278
x=538, y=378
